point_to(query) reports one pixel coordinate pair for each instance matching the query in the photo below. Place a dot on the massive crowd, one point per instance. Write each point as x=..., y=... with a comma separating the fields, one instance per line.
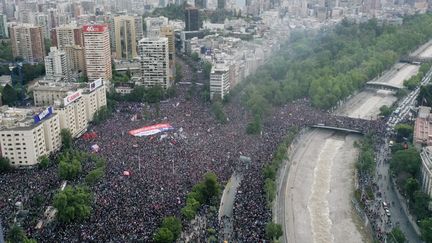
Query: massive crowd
x=164, y=167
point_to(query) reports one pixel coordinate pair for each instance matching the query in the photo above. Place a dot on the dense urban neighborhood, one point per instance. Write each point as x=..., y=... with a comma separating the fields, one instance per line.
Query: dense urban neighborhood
x=215, y=121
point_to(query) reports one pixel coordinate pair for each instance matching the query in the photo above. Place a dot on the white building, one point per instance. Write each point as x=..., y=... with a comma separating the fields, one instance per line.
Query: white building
x=28, y=134
x=153, y=25
x=155, y=62
x=76, y=106
x=426, y=170
x=219, y=81
x=56, y=65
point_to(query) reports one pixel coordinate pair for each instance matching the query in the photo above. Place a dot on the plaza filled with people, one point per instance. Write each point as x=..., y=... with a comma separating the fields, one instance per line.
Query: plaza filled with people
x=162, y=168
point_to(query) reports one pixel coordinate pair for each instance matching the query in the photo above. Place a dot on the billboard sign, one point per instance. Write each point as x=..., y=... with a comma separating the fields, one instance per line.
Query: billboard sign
x=71, y=98
x=42, y=115
x=95, y=84
x=94, y=28
x=151, y=130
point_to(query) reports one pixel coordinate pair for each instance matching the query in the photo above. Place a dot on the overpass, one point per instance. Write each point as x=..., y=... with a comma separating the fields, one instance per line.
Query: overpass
x=384, y=86
x=415, y=59
x=339, y=129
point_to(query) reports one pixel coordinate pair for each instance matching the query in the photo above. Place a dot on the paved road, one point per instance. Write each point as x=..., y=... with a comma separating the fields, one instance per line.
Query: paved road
x=398, y=216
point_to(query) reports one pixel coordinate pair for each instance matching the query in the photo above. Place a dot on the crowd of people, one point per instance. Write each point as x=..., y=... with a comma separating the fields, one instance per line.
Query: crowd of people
x=162, y=168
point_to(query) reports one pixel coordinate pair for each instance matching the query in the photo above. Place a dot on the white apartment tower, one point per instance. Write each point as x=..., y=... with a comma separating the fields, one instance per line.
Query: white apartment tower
x=56, y=65
x=155, y=62
x=97, y=52
x=219, y=81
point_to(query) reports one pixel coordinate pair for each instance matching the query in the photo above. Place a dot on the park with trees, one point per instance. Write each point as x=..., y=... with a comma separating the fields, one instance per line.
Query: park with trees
x=329, y=65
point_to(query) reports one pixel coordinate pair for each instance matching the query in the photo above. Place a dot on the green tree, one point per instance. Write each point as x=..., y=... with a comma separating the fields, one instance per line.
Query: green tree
x=17, y=235
x=69, y=169
x=211, y=187
x=207, y=66
x=178, y=73
x=385, y=111
x=9, y=95
x=396, y=236
x=195, y=56
x=411, y=185
x=273, y=231
x=404, y=131
x=173, y=224
x=408, y=161
x=188, y=212
x=163, y=235
x=94, y=176
x=66, y=138
x=155, y=94
x=73, y=204
x=5, y=165
x=44, y=161
x=426, y=229
x=421, y=204
x=220, y=115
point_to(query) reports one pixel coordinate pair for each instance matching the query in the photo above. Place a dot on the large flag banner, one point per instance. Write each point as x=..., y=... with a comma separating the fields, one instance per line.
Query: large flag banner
x=151, y=130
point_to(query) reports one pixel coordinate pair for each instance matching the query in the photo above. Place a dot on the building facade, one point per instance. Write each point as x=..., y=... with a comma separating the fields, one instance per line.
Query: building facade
x=4, y=33
x=28, y=42
x=155, y=62
x=219, y=81
x=97, y=52
x=167, y=31
x=125, y=37
x=57, y=66
x=75, y=58
x=28, y=134
x=191, y=19
x=423, y=128
x=67, y=35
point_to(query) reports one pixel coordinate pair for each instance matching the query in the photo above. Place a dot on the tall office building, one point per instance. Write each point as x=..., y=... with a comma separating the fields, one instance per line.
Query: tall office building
x=97, y=52
x=125, y=37
x=155, y=62
x=57, y=67
x=28, y=42
x=4, y=33
x=191, y=19
x=66, y=35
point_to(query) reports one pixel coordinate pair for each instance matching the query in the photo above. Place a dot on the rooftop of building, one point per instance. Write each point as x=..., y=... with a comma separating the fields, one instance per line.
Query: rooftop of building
x=22, y=118
x=55, y=86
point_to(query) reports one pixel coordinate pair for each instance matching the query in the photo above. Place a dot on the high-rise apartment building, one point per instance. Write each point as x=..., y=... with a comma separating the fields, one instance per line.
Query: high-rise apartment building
x=219, y=81
x=153, y=25
x=56, y=65
x=97, y=52
x=125, y=37
x=191, y=19
x=42, y=21
x=168, y=32
x=75, y=58
x=68, y=35
x=28, y=42
x=139, y=28
x=155, y=62
x=4, y=33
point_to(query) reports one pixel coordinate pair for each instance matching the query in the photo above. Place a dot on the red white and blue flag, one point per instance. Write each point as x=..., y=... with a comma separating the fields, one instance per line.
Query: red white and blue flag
x=151, y=130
